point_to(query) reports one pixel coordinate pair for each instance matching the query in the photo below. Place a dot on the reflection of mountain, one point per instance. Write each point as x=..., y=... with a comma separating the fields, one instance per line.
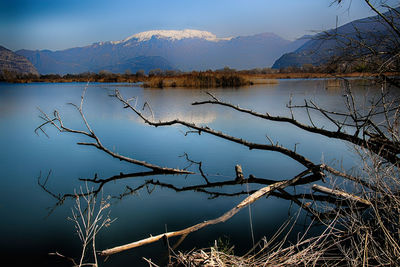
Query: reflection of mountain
x=194, y=117
x=184, y=50
x=173, y=104
x=138, y=63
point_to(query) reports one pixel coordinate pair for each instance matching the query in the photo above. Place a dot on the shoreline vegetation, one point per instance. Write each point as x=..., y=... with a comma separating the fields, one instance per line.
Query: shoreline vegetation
x=195, y=79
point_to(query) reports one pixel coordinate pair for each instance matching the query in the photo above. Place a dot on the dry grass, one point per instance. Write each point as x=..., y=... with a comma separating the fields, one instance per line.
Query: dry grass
x=199, y=80
x=275, y=252
x=355, y=235
x=374, y=233
x=194, y=79
x=261, y=80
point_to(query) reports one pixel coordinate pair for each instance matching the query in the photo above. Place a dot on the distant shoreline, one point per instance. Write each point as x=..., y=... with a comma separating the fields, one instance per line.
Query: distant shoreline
x=193, y=79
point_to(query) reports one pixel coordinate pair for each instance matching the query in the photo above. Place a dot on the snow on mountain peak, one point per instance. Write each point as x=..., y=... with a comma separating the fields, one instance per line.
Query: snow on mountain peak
x=173, y=35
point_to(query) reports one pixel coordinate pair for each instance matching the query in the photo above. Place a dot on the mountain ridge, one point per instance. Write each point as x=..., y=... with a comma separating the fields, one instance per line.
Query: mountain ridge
x=185, y=50
x=320, y=47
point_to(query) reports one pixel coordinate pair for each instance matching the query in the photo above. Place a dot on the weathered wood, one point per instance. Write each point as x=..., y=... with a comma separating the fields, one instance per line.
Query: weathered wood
x=239, y=173
x=340, y=193
x=247, y=201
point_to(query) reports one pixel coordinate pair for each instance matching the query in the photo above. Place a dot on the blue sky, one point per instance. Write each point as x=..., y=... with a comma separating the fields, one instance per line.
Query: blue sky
x=60, y=24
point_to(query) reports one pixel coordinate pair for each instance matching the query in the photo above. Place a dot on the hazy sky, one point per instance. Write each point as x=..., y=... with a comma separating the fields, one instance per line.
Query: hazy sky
x=60, y=24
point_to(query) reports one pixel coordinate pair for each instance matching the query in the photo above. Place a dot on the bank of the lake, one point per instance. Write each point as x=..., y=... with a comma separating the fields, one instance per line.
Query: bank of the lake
x=195, y=79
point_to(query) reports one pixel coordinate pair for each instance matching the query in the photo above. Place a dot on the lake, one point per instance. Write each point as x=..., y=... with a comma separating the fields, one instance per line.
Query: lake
x=32, y=226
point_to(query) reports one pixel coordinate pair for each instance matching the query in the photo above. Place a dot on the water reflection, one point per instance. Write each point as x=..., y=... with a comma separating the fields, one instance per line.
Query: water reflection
x=140, y=213
x=192, y=117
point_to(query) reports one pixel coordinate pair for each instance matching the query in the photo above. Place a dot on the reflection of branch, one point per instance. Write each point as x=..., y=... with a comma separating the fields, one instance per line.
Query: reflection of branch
x=204, y=188
x=62, y=197
x=129, y=190
x=250, y=199
x=198, y=163
x=43, y=185
x=200, y=188
x=63, y=257
x=251, y=180
x=301, y=204
x=120, y=176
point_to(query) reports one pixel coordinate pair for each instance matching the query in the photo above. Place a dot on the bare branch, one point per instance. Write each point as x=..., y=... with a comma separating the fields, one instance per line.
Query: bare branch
x=299, y=158
x=97, y=144
x=340, y=193
x=252, y=198
x=389, y=152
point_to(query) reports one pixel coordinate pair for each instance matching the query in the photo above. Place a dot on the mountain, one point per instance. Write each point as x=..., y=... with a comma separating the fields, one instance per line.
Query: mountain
x=138, y=63
x=185, y=50
x=372, y=31
x=91, y=58
x=11, y=62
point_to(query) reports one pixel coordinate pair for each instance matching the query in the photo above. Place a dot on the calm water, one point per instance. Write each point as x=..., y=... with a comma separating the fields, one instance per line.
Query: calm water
x=29, y=231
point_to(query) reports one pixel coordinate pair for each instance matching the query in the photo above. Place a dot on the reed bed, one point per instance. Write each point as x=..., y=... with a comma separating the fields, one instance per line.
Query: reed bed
x=199, y=80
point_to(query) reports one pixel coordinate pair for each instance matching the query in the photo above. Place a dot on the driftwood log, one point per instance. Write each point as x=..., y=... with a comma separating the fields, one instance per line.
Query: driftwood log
x=340, y=193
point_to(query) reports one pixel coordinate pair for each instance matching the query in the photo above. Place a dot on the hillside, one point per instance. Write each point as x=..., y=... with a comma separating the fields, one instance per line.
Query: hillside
x=320, y=48
x=11, y=62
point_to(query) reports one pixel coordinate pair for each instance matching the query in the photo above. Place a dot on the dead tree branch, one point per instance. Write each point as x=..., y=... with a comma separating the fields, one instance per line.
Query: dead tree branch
x=250, y=199
x=340, y=193
x=58, y=123
x=385, y=147
x=276, y=148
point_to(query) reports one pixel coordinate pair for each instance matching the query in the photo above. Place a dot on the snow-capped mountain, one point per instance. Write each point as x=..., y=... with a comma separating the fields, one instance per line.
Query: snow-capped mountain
x=179, y=49
x=173, y=35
